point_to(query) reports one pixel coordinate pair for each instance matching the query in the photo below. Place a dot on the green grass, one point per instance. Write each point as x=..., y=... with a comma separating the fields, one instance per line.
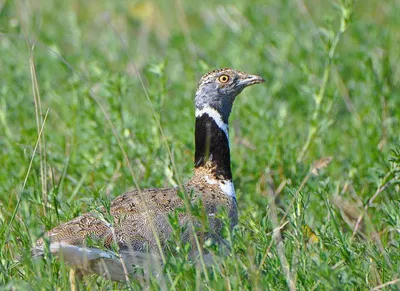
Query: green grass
x=333, y=89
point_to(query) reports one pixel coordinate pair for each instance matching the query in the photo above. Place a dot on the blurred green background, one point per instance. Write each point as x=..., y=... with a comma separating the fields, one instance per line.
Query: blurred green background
x=98, y=70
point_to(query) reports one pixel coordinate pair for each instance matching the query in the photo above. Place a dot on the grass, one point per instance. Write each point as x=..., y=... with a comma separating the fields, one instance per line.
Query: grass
x=97, y=98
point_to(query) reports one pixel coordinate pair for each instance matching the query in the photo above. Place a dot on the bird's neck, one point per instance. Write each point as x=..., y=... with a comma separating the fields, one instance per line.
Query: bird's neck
x=212, y=144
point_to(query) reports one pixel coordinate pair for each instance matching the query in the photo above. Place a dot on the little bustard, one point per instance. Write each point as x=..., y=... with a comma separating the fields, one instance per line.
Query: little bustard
x=140, y=226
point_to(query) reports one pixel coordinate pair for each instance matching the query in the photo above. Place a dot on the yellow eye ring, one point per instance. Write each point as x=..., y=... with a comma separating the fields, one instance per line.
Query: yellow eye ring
x=223, y=78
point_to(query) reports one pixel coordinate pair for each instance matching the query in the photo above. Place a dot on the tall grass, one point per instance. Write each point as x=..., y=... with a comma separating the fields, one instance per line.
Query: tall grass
x=97, y=98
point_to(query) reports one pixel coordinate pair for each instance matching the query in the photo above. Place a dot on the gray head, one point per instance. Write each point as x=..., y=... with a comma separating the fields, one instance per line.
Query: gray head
x=219, y=88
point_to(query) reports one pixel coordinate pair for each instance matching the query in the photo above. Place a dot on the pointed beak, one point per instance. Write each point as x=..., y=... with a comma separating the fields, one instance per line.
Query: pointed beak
x=248, y=80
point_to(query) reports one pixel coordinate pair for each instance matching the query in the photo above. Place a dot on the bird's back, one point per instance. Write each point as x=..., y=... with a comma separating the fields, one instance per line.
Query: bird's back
x=132, y=226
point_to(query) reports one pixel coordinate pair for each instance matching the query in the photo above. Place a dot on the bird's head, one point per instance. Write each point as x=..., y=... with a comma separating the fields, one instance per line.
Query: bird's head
x=219, y=88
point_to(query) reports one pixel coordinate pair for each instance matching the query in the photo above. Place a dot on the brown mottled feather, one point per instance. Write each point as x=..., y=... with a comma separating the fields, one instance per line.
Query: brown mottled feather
x=131, y=222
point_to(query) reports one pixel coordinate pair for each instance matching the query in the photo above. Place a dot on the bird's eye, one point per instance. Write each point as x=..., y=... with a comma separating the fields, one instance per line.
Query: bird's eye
x=223, y=78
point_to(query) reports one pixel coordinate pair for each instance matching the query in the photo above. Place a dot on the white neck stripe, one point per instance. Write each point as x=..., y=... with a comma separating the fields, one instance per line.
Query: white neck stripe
x=226, y=186
x=214, y=114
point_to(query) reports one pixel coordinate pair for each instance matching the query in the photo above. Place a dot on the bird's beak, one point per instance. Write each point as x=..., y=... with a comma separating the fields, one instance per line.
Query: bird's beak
x=248, y=80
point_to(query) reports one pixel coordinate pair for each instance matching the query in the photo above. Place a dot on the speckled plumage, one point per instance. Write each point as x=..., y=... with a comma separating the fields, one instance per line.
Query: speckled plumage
x=140, y=218
x=130, y=219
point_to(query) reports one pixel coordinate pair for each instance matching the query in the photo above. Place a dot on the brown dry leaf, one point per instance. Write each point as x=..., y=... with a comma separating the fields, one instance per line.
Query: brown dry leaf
x=350, y=208
x=350, y=211
x=320, y=164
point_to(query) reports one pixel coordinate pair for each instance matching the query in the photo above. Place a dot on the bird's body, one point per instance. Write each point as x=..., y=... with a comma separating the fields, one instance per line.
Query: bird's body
x=137, y=227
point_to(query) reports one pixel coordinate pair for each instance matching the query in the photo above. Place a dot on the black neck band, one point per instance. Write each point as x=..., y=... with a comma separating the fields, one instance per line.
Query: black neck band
x=212, y=147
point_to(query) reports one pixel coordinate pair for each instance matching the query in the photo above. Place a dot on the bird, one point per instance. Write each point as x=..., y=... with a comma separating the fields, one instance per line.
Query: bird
x=138, y=229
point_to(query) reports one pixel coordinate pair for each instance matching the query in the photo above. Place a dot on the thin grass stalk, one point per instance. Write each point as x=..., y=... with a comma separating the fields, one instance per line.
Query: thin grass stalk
x=7, y=230
x=277, y=237
x=315, y=126
x=158, y=123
